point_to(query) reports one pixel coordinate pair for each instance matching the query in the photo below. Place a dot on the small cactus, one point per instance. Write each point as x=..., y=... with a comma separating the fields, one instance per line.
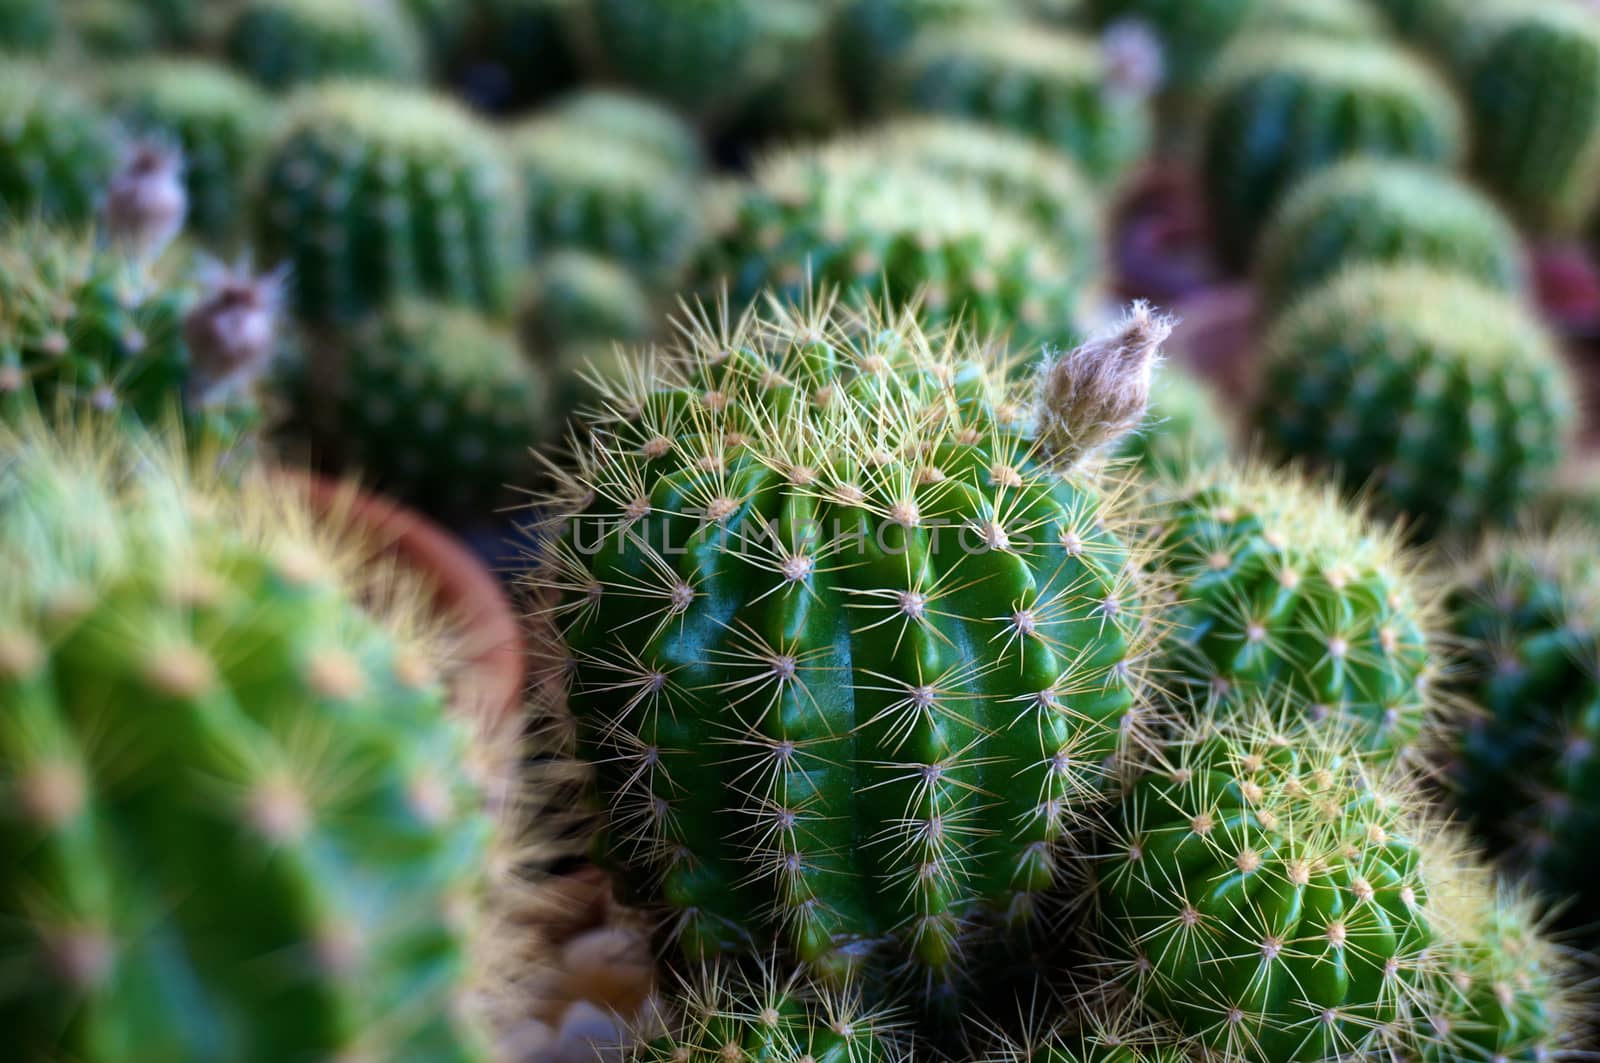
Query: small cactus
x=638, y=122
x=1450, y=401
x=575, y=300
x=1379, y=211
x=56, y=150
x=1333, y=20
x=374, y=192
x=283, y=43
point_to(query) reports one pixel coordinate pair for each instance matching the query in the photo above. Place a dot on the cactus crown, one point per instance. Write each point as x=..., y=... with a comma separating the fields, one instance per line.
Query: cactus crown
x=384, y=119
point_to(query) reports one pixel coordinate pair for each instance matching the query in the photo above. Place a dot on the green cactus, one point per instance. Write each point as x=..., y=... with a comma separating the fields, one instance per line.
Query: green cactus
x=849, y=218
x=85, y=326
x=1186, y=429
x=1284, y=107
x=56, y=150
x=1193, y=33
x=28, y=26
x=849, y=641
x=1532, y=89
x=1528, y=765
x=113, y=29
x=222, y=123
x=607, y=197
x=242, y=824
x=1268, y=894
x=374, y=192
x=1284, y=592
x=1381, y=211
x=1449, y=400
x=1052, y=85
x=870, y=36
x=1333, y=19
x=640, y=123
x=431, y=403
x=576, y=300
x=1418, y=20
x=283, y=43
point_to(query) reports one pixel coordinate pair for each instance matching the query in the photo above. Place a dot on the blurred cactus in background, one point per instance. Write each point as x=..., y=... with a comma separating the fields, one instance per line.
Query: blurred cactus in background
x=282, y=43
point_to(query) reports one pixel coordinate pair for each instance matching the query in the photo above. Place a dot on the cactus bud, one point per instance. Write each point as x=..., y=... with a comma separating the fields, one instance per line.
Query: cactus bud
x=1134, y=58
x=232, y=332
x=1098, y=392
x=145, y=201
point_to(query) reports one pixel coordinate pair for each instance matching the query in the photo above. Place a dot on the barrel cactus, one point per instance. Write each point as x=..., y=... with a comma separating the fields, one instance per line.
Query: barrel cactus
x=1193, y=33
x=281, y=43
x=1285, y=106
x=1381, y=211
x=1186, y=429
x=575, y=300
x=1449, y=400
x=1052, y=85
x=56, y=149
x=869, y=36
x=636, y=121
x=243, y=823
x=773, y=648
x=1331, y=19
x=373, y=192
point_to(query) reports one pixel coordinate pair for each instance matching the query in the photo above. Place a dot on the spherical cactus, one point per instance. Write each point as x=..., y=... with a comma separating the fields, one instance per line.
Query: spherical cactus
x=243, y=822
x=1283, y=107
x=576, y=300
x=430, y=403
x=1283, y=592
x=640, y=123
x=869, y=36
x=56, y=150
x=28, y=26
x=84, y=326
x=1193, y=33
x=849, y=218
x=288, y=42
x=221, y=122
x=1335, y=19
x=374, y=192
x=1186, y=429
x=1532, y=86
x=1052, y=85
x=1448, y=399
x=608, y=197
x=1381, y=211
x=1266, y=893
x=849, y=640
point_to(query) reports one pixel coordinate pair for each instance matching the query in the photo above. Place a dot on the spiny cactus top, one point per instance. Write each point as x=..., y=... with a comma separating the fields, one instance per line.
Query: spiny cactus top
x=1450, y=400
x=1284, y=592
x=633, y=120
x=1264, y=892
x=282, y=43
x=1532, y=86
x=240, y=823
x=1192, y=32
x=1375, y=210
x=374, y=192
x=56, y=150
x=1282, y=107
x=849, y=642
x=1052, y=85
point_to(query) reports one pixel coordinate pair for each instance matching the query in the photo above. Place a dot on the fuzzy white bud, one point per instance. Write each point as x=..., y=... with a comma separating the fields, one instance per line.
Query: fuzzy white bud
x=1094, y=394
x=1135, y=60
x=146, y=202
x=232, y=333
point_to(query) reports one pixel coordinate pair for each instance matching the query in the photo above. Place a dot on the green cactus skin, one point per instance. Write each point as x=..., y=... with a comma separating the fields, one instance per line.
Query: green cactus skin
x=1186, y=430
x=874, y=229
x=1193, y=33
x=1267, y=894
x=240, y=821
x=1532, y=89
x=640, y=123
x=1528, y=767
x=607, y=197
x=1284, y=592
x=868, y=751
x=56, y=151
x=1331, y=19
x=576, y=300
x=222, y=123
x=1417, y=20
x=1380, y=211
x=1282, y=108
x=1052, y=85
x=869, y=36
x=283, y=43
x=374, y=192
x=704, y=57
x=1448, y=399
x=28, y=26
x=432, y=404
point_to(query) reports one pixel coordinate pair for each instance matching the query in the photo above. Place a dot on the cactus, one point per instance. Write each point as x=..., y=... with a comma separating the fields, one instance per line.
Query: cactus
x=1448, y=399
x=575, y=300
x=1193, y=33
x=1186, y=430
x=242, y=823
x=1284, y=107
x=641, y=124
x=608, y=197
x=1334, y=19
x=374, y=192
x=1283, y=592
x=221, y=122
x=815, y=717
x=431, y=403
x=849, y=218
x=1268, y=894
x=28, y=26
x=870, y=36
x=1378, y=211
x=1052, y=85
x=56, y=151
x=1532, y=88
x=282, y=43
x=83, y=326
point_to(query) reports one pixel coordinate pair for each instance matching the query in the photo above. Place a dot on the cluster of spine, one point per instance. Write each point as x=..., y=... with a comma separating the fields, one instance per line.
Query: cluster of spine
x=1052, y=85
x=56, y=150
x=242, y=822
x=282, y=43
x=373, y=192
x=1192, y=32
x=1447, y=399
x=850, y=644
x=1282, y=591
x=1283, y=107
x=1385, y=212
